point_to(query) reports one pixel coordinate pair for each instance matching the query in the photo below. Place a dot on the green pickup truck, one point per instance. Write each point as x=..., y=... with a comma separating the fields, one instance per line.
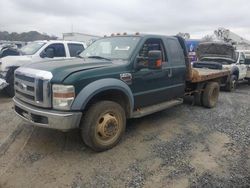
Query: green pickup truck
x=114, y=79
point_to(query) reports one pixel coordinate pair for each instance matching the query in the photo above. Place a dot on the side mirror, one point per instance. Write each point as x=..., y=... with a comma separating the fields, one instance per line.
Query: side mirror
x=154, y=59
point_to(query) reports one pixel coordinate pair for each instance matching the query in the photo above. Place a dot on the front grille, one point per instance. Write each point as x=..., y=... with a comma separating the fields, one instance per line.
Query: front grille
x=32, y=86
x=25, y=78
x=30, y=97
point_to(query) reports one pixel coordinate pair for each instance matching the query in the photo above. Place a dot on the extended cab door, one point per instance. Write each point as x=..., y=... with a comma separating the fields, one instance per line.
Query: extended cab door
x=151, y=86
x=176, y=61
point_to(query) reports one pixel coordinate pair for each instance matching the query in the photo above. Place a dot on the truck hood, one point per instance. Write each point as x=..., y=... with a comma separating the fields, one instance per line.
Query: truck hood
x=18, y=61
x=61, y=69
x=215, y=50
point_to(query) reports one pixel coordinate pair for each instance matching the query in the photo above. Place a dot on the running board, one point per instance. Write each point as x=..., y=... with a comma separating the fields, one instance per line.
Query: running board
x=156, y=108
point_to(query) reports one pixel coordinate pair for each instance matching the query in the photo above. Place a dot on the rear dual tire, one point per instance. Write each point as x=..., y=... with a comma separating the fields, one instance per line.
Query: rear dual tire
x=198, y=98
x=209, y=96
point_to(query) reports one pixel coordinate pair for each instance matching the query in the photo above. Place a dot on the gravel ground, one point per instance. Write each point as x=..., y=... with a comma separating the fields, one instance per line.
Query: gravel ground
x=9, y=123
x=185, y=146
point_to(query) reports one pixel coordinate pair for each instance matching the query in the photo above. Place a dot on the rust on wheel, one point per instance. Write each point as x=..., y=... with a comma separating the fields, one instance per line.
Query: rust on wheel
x=107, y=128
x=103, y=125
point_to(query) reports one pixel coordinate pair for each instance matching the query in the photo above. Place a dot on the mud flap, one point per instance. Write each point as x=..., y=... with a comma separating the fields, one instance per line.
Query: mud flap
x=3, y=84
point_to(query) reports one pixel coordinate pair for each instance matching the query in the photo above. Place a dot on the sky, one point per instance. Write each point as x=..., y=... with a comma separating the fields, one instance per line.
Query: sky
x=103, y=17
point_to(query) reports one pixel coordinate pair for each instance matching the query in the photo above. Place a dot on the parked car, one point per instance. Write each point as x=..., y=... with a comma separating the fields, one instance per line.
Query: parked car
x=220, y=55
x=34, y=52
x=8, y=50
x=115, y=78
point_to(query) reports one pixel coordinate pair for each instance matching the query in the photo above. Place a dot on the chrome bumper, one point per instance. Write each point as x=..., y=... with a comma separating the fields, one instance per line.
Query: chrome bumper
x=47, y=118
x=3, y=83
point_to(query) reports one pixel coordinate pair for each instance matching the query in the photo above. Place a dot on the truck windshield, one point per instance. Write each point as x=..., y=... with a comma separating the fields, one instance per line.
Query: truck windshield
x=111, y=48
x=31, y=48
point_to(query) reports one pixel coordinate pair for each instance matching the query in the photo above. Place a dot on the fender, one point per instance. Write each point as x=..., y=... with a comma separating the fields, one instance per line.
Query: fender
x=98, y=86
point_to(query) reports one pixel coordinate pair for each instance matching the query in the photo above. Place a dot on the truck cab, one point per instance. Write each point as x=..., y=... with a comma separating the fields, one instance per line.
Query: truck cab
x=114, y=79
x=33, y=52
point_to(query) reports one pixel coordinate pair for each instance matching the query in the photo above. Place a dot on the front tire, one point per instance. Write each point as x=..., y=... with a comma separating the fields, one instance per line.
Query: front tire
x=103, y=125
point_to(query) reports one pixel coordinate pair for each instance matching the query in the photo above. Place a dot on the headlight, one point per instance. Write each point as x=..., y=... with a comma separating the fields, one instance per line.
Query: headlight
x=63, y=96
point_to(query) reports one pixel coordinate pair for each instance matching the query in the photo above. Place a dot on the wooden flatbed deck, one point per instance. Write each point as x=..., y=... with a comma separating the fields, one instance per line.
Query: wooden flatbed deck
x=203, y=74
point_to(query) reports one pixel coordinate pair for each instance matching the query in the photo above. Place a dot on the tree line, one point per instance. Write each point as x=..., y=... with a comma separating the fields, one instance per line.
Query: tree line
x=25, y=36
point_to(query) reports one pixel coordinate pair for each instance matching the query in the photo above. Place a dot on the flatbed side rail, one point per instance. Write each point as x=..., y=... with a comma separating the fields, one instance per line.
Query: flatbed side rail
x=201, y=74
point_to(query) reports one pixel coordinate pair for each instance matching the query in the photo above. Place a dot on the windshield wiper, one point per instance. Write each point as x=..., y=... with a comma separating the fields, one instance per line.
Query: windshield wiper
x=99, y=57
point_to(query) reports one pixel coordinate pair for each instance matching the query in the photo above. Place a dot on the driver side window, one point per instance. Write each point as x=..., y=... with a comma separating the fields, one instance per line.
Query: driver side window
x=152, y=44
x=58, y=48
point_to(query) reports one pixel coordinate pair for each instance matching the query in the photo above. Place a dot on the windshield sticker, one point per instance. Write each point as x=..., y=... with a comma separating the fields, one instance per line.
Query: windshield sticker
x=126, y=48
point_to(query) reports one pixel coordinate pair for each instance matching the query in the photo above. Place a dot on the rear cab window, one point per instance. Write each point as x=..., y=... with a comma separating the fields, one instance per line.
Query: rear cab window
x=174, y=52
x=75, y=49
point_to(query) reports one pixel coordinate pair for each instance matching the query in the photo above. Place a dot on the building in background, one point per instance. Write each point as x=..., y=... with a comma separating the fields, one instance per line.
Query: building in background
x=81, y=37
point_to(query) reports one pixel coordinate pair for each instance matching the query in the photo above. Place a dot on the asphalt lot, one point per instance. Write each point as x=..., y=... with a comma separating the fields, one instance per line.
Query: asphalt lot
x=185, y=146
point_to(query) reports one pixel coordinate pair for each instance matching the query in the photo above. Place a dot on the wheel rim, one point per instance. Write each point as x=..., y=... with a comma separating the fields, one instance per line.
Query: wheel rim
x=214, y=95
x=108, y=128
